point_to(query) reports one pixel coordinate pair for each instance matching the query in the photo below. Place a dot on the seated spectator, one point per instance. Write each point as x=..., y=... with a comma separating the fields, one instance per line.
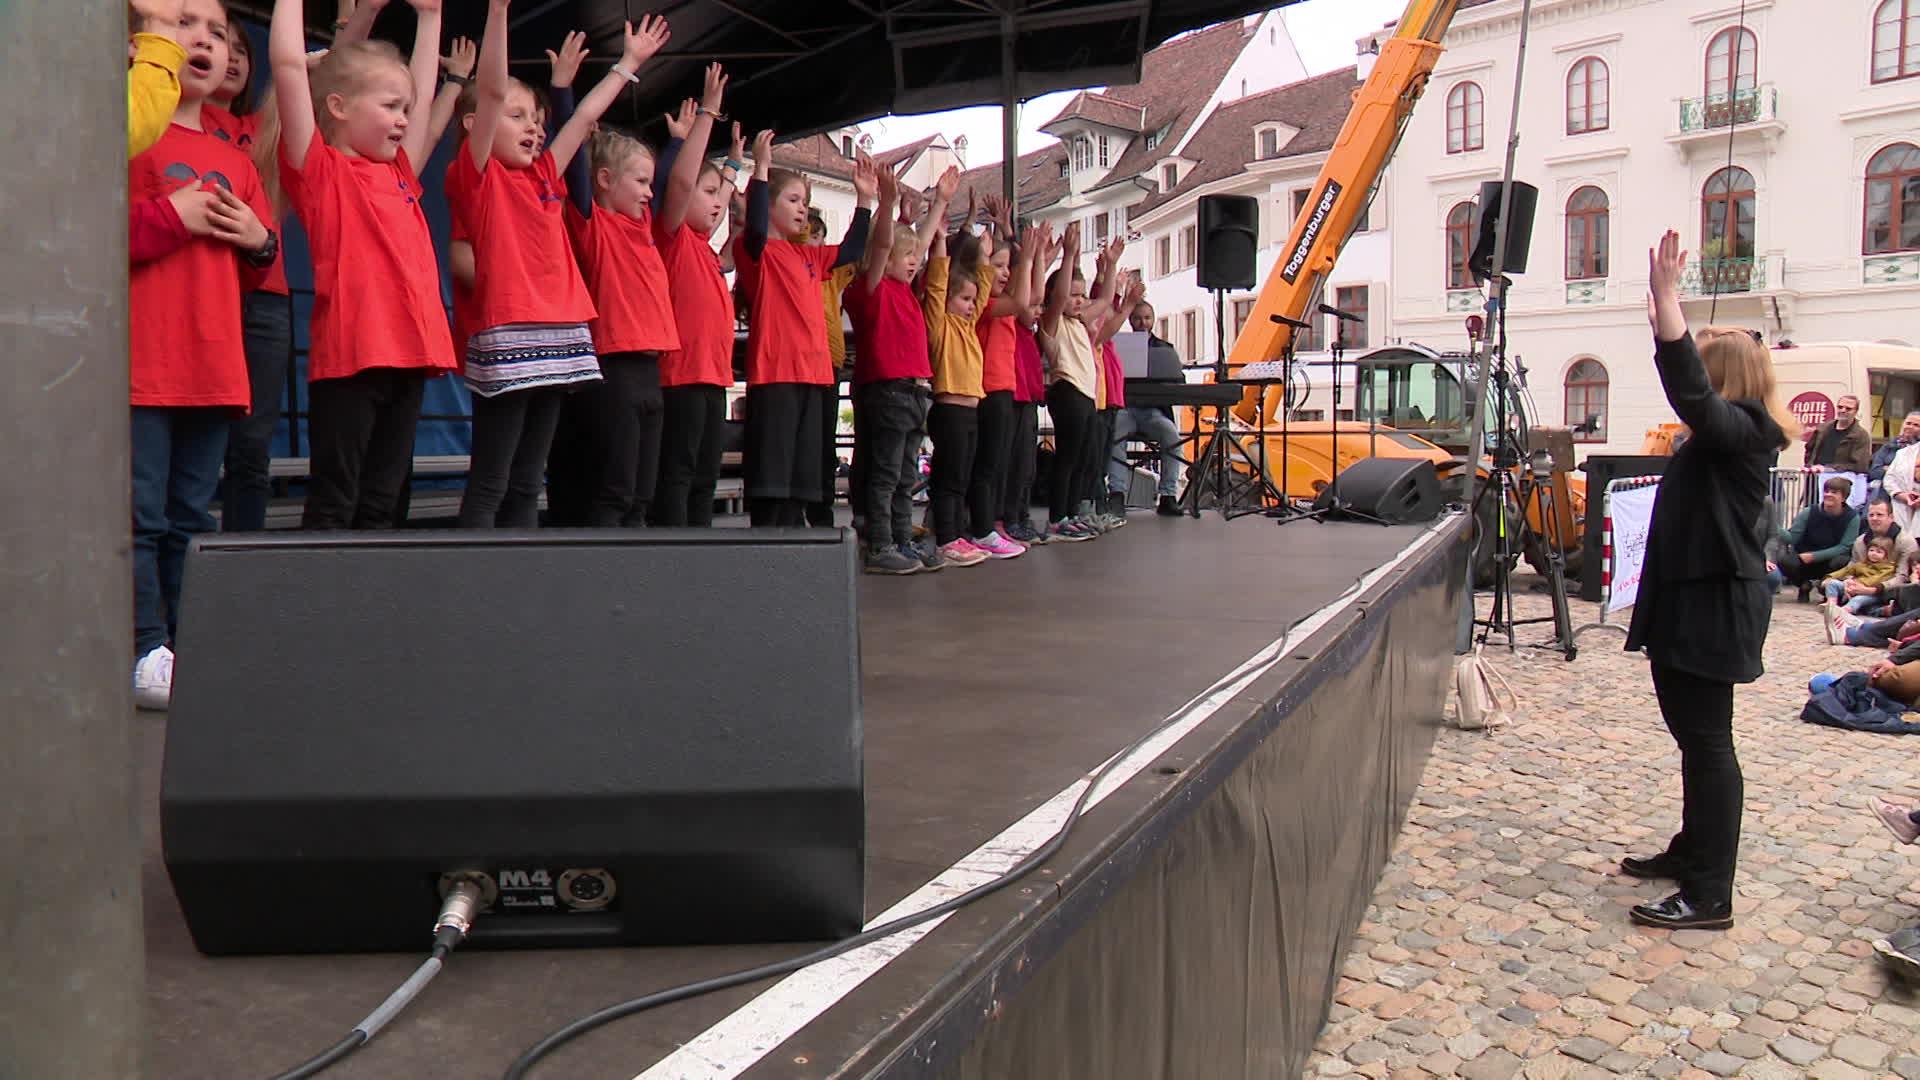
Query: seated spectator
x=1847, y=629
x=1883, y=457
x=1879, y=523
x=1820, y=539
x=1875, y=568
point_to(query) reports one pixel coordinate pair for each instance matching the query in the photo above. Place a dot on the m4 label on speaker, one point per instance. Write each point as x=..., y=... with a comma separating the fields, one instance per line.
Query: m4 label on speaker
x=527, y=888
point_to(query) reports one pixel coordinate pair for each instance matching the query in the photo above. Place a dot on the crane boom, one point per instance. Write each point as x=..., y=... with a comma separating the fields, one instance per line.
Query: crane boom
x=1381, y=109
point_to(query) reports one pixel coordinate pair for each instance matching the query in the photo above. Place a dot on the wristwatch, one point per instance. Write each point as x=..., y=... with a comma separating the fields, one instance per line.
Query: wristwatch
x=459, y=80
x=263, y=258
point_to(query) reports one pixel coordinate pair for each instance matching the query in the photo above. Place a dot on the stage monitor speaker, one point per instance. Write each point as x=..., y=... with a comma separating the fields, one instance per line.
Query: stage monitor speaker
x=1394, y=490
x=1229, y=241
x=646, y=737
x=1519, y=229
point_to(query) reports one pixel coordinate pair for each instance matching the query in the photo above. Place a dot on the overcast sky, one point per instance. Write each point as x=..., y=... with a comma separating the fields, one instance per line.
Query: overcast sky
x=1323, y=31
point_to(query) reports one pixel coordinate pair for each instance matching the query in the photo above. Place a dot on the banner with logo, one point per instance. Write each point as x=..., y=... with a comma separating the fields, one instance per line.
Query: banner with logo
x=1631, y=511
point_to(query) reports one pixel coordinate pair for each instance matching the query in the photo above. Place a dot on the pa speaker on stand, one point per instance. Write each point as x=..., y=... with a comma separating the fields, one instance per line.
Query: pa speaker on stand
x=1493, y=218
x=1229, y=241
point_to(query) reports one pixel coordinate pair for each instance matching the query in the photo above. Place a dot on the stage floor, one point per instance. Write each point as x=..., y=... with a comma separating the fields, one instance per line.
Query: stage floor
x=988, y=691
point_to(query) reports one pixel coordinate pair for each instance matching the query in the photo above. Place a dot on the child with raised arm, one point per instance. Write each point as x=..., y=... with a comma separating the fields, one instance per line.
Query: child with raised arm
x=1073, y=383
x=530, y=343
x=154, y=59
x=187, y=365
x=1029, y=393
x=992, y=461
x=352, y=128
x=790, y=379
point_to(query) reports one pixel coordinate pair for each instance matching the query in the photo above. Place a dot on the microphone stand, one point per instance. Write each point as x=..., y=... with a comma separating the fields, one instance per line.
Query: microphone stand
x=1337, y=506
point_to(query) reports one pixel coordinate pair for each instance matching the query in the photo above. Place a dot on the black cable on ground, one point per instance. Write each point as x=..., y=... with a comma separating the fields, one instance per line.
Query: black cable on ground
x=632, y=1006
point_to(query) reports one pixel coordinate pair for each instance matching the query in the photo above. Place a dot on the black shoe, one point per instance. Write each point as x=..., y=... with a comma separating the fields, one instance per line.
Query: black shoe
x=1900, y=952
x=1662, y=865
x=1677, y=912
x=1804, y=593
x=1167, y=507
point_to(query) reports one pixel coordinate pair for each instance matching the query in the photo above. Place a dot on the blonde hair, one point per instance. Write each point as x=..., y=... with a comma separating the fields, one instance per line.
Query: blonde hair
x=266, y=151
x=611, y=149
x=347, y=69
x=778, y=180
x=1741, y=369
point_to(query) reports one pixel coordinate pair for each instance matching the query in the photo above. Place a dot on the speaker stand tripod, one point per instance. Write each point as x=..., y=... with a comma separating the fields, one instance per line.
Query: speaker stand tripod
x=1214, y=466
x=1336, y=508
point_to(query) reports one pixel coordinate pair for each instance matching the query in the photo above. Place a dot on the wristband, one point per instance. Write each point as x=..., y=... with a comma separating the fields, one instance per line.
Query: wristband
x=736, y=165
x=459, y=80
x=704, y=111
x=625, y=74
x=339, y=25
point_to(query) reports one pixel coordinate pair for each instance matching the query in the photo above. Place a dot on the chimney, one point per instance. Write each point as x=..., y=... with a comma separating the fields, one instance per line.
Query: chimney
x=960, y=150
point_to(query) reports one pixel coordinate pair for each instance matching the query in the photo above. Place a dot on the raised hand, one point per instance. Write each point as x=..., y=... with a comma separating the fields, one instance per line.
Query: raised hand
x=680, y=124
x=235, y=222
x=973, y=208
x=713, y=89
x=463, y=55
x=948, y=183
x=1070, y=240
x=1664, y=265
x=866, y=179
x=996, y=210
x=762, y=153
x=566, y=62
x=649, y=38
x=1136, y=291
x=737, y=149
x=889, y=186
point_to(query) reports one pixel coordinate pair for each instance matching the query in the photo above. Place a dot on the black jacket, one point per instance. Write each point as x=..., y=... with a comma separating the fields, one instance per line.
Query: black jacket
x=1704, y=603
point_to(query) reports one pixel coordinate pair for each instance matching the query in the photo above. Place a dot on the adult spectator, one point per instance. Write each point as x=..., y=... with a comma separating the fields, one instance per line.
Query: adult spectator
x=1902, y=485
x=1150, y=425
x=1842, y=444
x=1881, y=526
x=1820, y=540
x=1883, y=457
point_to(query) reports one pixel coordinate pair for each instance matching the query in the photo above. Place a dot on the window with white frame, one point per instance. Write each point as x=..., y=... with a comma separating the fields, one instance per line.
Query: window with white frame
x=1081, y=150
x=1189, y=246
x=1466, y=130
x=1163, y=257
x=1269, y=144
x=1169, y=176
x=1586, y=401
x=1896, y=40
x=1105, y=160
x=1190, y=334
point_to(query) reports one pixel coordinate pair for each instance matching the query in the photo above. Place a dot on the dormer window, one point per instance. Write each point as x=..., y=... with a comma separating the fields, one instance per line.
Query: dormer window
x=1105, y=159
x=1082, y=150
x=1159, y=136
x=1063, y=170
x=846, y=145
x=1169, y=176
x=1269, y=144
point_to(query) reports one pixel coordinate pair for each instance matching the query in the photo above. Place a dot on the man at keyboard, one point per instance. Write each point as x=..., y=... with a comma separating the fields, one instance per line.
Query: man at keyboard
x=1145, y=423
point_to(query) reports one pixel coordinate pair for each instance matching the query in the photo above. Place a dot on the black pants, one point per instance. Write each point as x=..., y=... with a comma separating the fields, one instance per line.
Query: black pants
x=512, y=433
x=955, y=431
x=267, y=323
x=605, y=462
x=1072, y=413
x=1016, y=498
x=987, y=491
x=782, y=451
x=360, y=440
x=1699, y=713
x=820, y=511
x=1795, y=571
x=1093, y=480
x=695, y=420
x=890, y=421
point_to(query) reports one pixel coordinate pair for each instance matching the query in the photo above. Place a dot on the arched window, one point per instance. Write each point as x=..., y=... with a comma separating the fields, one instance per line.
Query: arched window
x=1726, y=215
x=1465, y=131
x=1461, y=223
x=1893, y=200
x=1587, y=401
x=1587, y=95
x=1587, y=234
x=1896, y=40
x=1733, y=57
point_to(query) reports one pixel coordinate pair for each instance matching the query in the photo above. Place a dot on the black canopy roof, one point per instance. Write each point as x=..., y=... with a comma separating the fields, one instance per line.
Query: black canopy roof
x=801, y=66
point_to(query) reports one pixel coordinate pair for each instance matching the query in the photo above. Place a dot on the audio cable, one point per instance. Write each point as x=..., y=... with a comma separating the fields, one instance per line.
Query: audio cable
x=457, y=912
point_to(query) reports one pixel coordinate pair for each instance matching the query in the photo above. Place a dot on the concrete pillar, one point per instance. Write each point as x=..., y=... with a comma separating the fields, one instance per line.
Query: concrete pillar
x=72, y=966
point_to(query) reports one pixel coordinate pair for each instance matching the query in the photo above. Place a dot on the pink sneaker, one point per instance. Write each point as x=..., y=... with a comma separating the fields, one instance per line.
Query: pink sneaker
x=963, y=552
x=999, y=547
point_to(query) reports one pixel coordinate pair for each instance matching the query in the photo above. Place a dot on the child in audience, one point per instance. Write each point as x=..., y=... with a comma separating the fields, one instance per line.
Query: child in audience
x=154, y=59
x=187, y=364
x=953, y=304
x=615, y=425
x=530, y=343
x=789, y=371
x=346, y=150
x=1877, y=567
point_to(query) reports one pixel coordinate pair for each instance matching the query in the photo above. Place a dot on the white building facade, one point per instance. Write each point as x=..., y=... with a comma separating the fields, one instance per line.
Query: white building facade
x=1783, y=145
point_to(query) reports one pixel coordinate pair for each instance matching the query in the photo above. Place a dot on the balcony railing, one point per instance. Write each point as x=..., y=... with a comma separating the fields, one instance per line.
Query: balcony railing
x=1749, y=106
x=1709, y=277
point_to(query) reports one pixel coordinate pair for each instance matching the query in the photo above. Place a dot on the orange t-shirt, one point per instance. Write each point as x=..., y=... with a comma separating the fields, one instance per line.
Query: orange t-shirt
x=627, y=280
x=996, y=353
x=524, y=270
x=241, y=132
x=186, y=345
x=376, y=281
x=703, y=312
x=787, y=329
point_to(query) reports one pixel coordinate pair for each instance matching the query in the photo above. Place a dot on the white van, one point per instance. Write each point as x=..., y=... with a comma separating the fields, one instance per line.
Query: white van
x=1886, y=379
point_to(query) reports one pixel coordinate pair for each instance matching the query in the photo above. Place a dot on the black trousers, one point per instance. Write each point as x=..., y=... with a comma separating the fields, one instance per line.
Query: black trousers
x=955, y=431
x=247, y=488
x=1016, y=498
x=691, y=441
x=820, y=511
x=605, y=462
x=1699, y=714
x=782, y=452
x=360, y=441
x=890, y=422
x=512, y=433
x=1093, y=481
x=1072, y=413
x=987, y=491
x=1795, y=571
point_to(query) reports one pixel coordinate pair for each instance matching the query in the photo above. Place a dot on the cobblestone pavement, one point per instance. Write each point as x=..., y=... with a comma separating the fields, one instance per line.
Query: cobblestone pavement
x=1498, y=943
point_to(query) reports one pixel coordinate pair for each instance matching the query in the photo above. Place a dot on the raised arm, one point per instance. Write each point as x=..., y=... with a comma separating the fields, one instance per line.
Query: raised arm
x=293, y=93
x=866, y=188
x=1713, y=419
x=1019, y=279
x=935, y=221
x=489, y=86
x=354, y=21
x=1105, y=282
x=873, y=266
x=1116, y=319
x=641, y=44
x=566, y=64
x=759, y=199
x=458, y=64
x=1063, y=284
x=424, y=67
x=679, y=180
x=1048, y=250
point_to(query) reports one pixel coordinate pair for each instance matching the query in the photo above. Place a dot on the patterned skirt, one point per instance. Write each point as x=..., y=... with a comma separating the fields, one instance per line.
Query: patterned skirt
x=525, y=356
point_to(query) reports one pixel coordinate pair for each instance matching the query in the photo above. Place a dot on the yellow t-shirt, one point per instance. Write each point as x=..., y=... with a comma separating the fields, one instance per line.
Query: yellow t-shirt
x=153, y=90
x=953, y=343
x=830, y=289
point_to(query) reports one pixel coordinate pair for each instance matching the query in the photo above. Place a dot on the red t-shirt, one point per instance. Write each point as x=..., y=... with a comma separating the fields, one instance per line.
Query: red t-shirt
x=996, y=353
x=183, y=308
x=787, y=328
x=524, y=270
x=891, y=332
x=627, y=280
x=1029, y=367
x=376, y=281
x=241, y=132
x=1115, y=375
x=702, y=309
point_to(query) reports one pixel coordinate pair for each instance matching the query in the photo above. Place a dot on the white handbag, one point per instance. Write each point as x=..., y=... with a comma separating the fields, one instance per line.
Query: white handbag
x=1477, y=688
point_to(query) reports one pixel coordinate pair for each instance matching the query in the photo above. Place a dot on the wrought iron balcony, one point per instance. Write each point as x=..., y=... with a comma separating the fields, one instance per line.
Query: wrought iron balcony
x=1709, y=277
x=1754, y=105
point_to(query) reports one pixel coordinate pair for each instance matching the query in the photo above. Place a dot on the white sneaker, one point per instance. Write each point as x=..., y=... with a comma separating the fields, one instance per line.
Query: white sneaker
x=153, y=680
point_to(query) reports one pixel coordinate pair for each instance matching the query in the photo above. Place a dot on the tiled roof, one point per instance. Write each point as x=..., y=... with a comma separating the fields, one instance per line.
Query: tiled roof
x=902, y=156
x=1038, y=183
x=1100, y=108
x=1224, y=146
x=817, y=154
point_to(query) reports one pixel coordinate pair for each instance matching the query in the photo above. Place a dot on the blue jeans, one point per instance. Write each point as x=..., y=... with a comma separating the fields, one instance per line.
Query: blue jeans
x=1836, y=589
x=1150, y=426
x=268, y=321
x=176, y=470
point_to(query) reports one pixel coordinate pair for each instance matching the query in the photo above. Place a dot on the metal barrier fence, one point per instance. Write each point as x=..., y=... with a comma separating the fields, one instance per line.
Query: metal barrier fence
x=1623, y=483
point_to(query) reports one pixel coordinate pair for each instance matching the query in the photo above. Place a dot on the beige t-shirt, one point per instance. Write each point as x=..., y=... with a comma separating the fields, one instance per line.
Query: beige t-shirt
x=1069, y=355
